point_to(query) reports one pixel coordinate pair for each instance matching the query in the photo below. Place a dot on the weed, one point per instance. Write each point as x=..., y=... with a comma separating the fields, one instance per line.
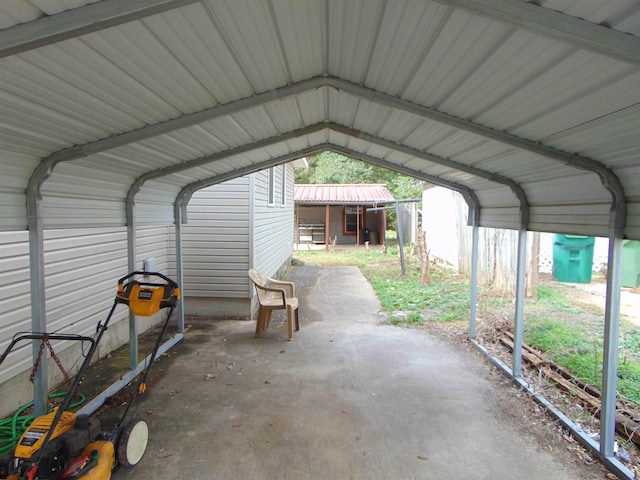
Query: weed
x=554, y=297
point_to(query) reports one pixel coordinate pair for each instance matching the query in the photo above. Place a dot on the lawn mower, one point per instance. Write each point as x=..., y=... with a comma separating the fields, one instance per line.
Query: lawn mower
x=61, y=445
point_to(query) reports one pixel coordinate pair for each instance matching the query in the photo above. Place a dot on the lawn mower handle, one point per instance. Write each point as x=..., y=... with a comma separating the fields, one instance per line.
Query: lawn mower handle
x=148, y=274
x=18, y=337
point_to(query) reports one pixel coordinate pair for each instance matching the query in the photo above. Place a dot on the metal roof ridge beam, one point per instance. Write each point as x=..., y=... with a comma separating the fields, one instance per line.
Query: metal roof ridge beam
x=574, y=31
x=184, y=121
x=609, y=179
x=461, y=123
x=79, y=21
x=188, y=190
x=514, y=186
x=197, y=162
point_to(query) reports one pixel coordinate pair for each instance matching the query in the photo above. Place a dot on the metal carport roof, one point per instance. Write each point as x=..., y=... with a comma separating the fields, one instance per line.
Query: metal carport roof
x=518, y=102
x=115, y=111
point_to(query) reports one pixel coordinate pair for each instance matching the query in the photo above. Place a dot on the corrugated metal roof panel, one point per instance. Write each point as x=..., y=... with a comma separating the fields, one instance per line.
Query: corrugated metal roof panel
x=498, y=73
x=342, y=193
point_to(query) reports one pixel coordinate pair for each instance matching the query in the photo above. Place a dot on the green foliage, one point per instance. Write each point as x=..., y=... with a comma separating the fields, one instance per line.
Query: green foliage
x=555, y=297
x=553, y=337
x=331, y=167
x=629, y=381
x=569, y=346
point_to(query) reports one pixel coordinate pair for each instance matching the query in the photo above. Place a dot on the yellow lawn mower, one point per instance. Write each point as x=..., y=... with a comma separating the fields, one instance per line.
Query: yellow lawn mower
x=62, y=445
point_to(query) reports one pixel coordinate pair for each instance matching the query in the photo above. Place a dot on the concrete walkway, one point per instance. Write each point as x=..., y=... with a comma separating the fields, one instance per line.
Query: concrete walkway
x=348, y=398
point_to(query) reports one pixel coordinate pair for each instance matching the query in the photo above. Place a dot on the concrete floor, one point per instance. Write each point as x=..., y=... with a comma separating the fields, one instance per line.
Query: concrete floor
x=348, y=398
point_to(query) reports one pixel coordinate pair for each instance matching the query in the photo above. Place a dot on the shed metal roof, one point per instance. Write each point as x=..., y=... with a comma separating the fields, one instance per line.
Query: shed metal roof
x=531, y=111
x=353, y=194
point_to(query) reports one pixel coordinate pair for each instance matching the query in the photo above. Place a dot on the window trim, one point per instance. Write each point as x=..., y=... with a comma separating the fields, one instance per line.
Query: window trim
x=271, y=187
x=363, y=220
x=283, y=185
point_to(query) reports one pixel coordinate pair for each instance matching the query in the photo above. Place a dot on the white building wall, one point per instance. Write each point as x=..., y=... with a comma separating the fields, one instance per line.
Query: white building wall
x=216, y=244
x=272, y=225
x=439, y=224
x=230, y=228
x=82, y=268
x=449, y=239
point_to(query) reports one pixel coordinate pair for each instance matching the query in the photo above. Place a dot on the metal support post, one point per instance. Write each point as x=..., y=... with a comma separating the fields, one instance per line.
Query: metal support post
x=518, y=327
x=610, y=352
x=474, y=280
x=179, y=266
x=131, y=265
x=38, y=299
x=400, y=237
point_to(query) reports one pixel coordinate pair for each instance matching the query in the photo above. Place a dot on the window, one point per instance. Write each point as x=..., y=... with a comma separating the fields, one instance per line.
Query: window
x=351, y=215
x=272, y=187
x=283, y=185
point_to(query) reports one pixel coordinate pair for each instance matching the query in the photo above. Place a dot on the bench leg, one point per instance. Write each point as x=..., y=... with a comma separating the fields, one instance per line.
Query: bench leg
x=260, y=321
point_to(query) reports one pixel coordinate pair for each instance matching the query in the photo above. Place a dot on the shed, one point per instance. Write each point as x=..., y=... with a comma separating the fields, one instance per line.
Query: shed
x=341, y=214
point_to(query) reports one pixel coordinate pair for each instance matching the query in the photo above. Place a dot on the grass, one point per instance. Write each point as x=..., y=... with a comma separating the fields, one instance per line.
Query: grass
x=403, y=296
x=577, y=347
x=554, y=323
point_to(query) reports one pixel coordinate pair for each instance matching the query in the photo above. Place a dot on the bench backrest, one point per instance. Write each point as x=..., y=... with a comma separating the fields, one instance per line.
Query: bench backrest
x=261, y=281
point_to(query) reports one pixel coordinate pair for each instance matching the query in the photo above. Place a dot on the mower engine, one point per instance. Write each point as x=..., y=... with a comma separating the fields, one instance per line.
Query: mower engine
x=73, y=450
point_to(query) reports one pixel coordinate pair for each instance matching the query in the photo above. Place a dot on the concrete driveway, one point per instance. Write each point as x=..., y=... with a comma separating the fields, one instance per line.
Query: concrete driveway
x=349, y=398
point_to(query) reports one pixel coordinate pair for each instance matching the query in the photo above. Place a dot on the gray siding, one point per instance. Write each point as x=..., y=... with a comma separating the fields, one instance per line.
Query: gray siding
x=216, y=241
x=82, y=267
x=230, y=228
x=272, y=224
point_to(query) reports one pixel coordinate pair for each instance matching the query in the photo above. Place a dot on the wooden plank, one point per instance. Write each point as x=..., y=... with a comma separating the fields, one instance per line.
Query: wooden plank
x=627, y=421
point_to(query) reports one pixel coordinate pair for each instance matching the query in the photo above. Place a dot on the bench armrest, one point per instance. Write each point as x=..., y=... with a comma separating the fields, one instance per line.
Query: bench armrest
x=283, y=283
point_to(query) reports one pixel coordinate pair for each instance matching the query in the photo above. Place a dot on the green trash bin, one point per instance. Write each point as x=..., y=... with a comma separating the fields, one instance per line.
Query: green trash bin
x=572, y=258
x=631, y=263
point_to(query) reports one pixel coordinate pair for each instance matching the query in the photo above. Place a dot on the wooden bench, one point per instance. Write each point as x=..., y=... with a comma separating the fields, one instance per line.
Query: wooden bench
x=274, y=295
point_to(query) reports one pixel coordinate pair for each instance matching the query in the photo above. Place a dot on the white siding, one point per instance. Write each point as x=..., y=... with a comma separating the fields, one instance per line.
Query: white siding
x=272, y=224
x=82, y=268
x=444, y=221
x=216, y=241
x=231, y=228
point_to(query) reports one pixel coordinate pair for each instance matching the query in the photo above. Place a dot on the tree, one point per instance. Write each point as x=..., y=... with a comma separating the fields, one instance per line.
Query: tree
x=331, y=167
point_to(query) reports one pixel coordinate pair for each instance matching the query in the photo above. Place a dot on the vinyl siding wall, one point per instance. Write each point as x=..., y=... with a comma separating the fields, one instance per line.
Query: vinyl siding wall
x=216, y=244
x=272, y=224
x=230, y=228
x=82, y=267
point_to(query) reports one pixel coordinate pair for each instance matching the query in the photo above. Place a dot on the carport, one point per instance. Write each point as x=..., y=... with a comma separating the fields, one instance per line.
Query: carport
x=115, y=112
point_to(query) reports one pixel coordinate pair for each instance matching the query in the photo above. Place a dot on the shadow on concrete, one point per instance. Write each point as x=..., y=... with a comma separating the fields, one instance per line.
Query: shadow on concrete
x=349, y=398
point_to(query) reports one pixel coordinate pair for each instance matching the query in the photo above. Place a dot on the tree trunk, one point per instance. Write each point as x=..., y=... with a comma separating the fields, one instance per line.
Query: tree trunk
x=423, y=257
